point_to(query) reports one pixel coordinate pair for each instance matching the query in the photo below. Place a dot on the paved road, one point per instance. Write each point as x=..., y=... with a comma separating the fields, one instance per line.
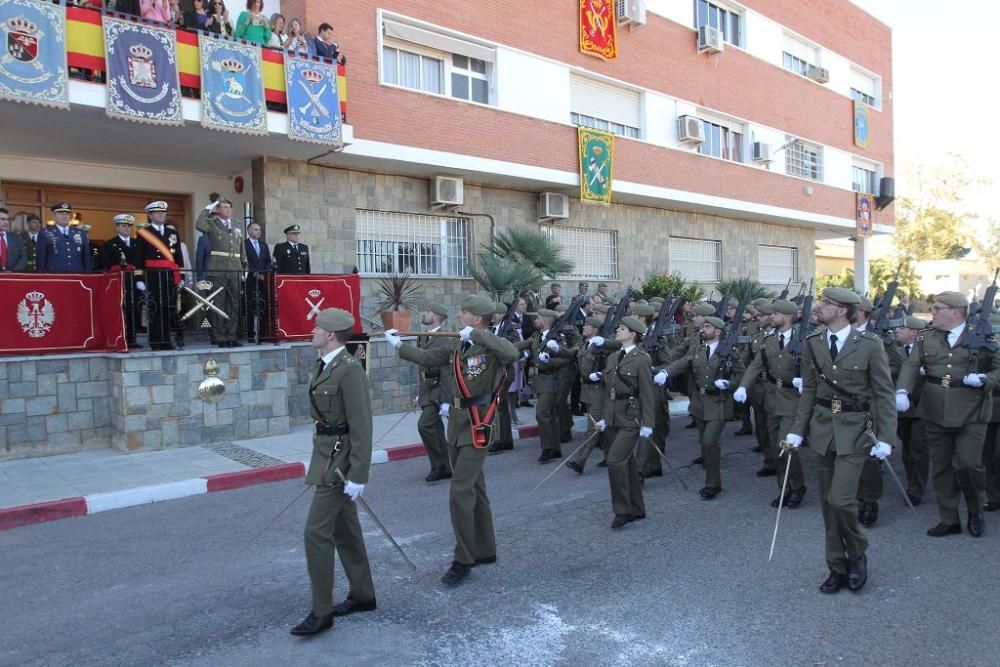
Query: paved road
x=177, y=583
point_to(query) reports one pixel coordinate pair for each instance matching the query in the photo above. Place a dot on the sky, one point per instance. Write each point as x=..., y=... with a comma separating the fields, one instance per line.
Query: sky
x=945, y=93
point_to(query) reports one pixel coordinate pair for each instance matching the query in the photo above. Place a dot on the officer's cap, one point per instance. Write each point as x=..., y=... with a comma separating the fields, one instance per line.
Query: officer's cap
x=335, y=319
x=437, y=308
x=156, y=206
x=643, y=310
x=477, y=305
x=634, y=324
x=292, y=229
x=911, y=322
x=715, y=322
x=842, y=295
x=703, y=309
x=866, y=305
x=785, y=307
x=61, y=207
x=123, y=219
x=953, y=299
x=596, y=322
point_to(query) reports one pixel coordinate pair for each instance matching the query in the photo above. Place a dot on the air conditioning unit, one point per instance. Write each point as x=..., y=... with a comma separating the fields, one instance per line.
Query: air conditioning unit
x=631, y=12
x=691, y=130
x=818, y=74
x=553, y=206
x=446, y=191
x=761, y=152
x=710, y=40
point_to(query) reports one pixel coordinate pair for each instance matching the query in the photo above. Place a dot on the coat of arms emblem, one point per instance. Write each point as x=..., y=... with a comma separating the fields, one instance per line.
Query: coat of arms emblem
x=22, y=39
x=141, y=68
x=35, y=314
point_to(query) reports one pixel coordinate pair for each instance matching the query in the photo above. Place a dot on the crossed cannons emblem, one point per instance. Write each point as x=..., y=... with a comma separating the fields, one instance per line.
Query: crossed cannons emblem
x=204, y=302
x=314, y=307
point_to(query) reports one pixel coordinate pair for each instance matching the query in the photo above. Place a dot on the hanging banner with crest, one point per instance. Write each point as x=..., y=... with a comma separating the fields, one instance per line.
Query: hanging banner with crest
x=232, y=87
x=33, y=57
x=598, y=29
x=596, y=157
x=861, y=135
x=313, y=104
x=142, y=72
x=864, y=205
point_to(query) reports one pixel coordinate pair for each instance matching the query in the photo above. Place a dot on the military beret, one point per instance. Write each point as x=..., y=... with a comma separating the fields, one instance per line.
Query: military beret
x=437, y=308
x=292, y=229
x=842, y=295
x=61, y=207
x=634, y=324
x=556, y=285
x=499, y=308
x=602, y=308
x=335, y=319
x=548, y=314
x=911, y=322
x=764, y=308
x=732, y=302
x=157, y=206
x=602, y=284
x=656, y=300
x=123, y=219
x=562, y=308
x=477, y=305
x=703, y=309
x=785, y=307
x=952, y=299
x=866, y=305
x=715, y=322
x=643, y=310
x=596, y=322
x=757, y=302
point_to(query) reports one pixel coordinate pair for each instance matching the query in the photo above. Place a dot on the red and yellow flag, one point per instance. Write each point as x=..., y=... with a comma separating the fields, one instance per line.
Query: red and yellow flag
x=598, y=29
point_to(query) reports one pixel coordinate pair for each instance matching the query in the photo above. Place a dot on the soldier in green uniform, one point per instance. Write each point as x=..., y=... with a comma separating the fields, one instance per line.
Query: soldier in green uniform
x=910, y=430
x=225, y=266
x=628, y=416
x=956, y=405
x=503, y=433
x=870, y=484
x=711, y=400
x=744, y=347
x=590, y=357
x=774, y=367
x=756, y=393
x=991, y=447
x=478, y=369
x=435, y=394
x=846, y=394
x=341, y=459
x=692, y=341
x=566, y=377
x=647, y=456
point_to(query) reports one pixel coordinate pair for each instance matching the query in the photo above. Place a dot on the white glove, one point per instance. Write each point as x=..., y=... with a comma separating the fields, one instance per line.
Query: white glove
x=597, y=340
x=923, y=371
x=353, y=490
x=660, y=378
x=141, y=286
x=601, y=425
x=740, y=395
x=722, y=385
x=543, y=357
x=212, y=205
x=880, y=450
x=902, y=401
x=794, y=440
x=797, y=383
x=645, y=431
x=552, y=346
x=392, y=338
x=594, y=377
x=974, y=379
x=445, y=409
x=465, y=334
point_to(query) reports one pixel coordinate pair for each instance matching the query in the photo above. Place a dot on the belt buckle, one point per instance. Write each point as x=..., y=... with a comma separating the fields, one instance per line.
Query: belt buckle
x=702, y=391
x=946, y=381
x=835, y=405
x=779, y=383
x=611, y=394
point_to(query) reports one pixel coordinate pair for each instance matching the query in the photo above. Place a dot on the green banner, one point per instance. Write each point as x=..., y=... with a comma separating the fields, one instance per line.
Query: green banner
x=596, y=156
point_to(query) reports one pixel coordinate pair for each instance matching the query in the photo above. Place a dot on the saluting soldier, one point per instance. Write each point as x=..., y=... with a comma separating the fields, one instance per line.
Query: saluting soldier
x=774, y=366
x=227, y=259
x=341, y=458
x=956, y=406
x=477, y=367
x=158, y=256
x=590, y=357
x=290, y=256
x=62, y=248
x=628, y=416
x=910, y=430
x=116, y=255
x=846, y=394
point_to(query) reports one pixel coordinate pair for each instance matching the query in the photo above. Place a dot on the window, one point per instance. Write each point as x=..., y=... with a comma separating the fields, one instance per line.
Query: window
x=605, y=107
x=696, y=259
x=862, y=97
x=798, y=56
x=717, y=16
x=802, y=159
x=412, y=70
x=777, y=265
x=424, y=245
x=721, y=141
x=469, y=80
x=595, y=251
x=864, y=87
x=864, y=179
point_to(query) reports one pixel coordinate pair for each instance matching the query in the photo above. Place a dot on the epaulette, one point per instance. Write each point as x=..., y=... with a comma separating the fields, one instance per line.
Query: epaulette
x=814, y=334
x=769, y=335
x=868, y=335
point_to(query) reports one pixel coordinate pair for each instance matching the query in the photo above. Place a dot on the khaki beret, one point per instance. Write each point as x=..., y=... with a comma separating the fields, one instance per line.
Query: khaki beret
x=952, y=299
x=911, y=322
x=656, y=300
x=334, y=319
x=634, y=324
x=437, y=308
x=643, y=310
x=866, y=305
x=757, y=302
x=764, y=308
x=548, y=314
x=602, y=308
x=732, y=302
x=499, y=308
x=556, y=285
x=477, y=305
x=703, y=309
x=842, y=295
x=715, y=322
x=597, y=322
x=562, y=308
x=785, y=307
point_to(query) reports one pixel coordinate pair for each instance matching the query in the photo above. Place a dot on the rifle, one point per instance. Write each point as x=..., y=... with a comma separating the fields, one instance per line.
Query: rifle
x=508, y=317
x=721, y=307
x=665, y=323
x=981, y=334
x=800, y=331
x=571, y=316
x=797, y=299
x=784, y=292
x=614, y=317
x=727, y=346
x=882, y=322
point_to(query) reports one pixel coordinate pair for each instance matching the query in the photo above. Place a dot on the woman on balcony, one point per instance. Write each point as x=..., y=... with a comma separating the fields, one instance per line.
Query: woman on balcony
x=252, y=25
x=297, y=41
x=198, y=18
x=278, y=36
x=155, y=10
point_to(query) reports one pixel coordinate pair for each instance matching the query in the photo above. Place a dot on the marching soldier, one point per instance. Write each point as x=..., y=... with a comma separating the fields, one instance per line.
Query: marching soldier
x=756, y=393
x=157, y=255
x=870, y=484
x=744, y=346
x=846, y=395
x=434, y=397
x=566, y=376
x=503, y=434
x=116, y=255
x=290, y=256
x=956, y=405
x=910, y=429
x=991, y=447
x=227, y=259
x=692, y=341
x=341, y=458
x=774, y=367
x=590, y=356
x=628, y=416
x=477, y=367
x=62, y=248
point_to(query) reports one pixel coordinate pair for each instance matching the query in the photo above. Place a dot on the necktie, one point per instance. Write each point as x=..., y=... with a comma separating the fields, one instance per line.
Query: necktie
x=295, y=247
x=34, y=238
x=833, y=347
x=781, y=341
x=708, y=353
x=256, y=248
x=907, y=348
x=621, y=354
x=465, y=346
x=3, y=250
x=320, y=365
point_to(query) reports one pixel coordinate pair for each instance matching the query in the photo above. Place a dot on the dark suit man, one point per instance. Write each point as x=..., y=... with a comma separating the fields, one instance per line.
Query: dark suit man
x=158, y=254
x=29, y=237
x=258, y=264
x=291, y=256
x=13, y=256
x=116, y=255
x=62, y=248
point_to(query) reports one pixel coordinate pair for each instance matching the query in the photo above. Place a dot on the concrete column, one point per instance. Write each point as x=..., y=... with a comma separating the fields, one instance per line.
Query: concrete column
x=861, y=268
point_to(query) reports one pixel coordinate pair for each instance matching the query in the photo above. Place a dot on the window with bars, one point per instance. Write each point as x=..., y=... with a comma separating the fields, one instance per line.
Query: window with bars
x=864, y=179
x=861, y=96
x=776, y=265
x=696, y=259
x=805, y=160
x=717, y=16
x=424, y=245
x=720, y=141
x=595, y=251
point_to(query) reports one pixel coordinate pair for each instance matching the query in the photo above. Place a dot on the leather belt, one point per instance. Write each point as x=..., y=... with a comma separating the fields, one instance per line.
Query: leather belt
x=219, y=253
x=331, y=429
x=843, y=405
x=778, y=382
x=948, y=382
x=430, y=375
x=460, y=402
x=709, y=391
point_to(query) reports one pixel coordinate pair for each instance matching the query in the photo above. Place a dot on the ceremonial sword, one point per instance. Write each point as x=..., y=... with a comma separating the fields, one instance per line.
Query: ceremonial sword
x=364, y=505
x=565, y=460
x=665, y=459
x=786, y=450
x=892, y=472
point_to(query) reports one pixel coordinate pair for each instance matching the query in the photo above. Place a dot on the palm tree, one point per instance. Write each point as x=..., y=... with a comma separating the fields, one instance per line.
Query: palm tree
x=744, y=289
x=519, y=260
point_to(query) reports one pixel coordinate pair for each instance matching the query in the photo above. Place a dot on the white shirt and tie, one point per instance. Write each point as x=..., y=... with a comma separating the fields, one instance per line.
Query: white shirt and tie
x=256, y=246
x=840, y=337
x=955, y=334
x=127, y=240
x=710, y=349
x=326, y=359
x=784, y=337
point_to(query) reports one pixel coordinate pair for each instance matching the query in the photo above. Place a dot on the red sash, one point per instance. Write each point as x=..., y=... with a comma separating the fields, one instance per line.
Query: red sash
x=161, y=247
x=481, y=427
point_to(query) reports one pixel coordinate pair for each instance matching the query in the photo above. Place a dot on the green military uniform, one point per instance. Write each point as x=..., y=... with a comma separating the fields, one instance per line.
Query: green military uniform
x=503, y=433
x=228, y=260
x=341, y=408
x=910, y=429
x=757, y=396
x=590, y=360
x=744, y=347
x=565, y=378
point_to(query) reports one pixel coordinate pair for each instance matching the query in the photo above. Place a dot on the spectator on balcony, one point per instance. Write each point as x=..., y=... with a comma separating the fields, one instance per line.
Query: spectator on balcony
x=199, y=18
x=324, y=46
x=176, y=14
x=252, y=25
x=12, y=253
x=297, y=41
x=278, y=36
x=155, y=10
x=124, y=6
x=220, y=17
